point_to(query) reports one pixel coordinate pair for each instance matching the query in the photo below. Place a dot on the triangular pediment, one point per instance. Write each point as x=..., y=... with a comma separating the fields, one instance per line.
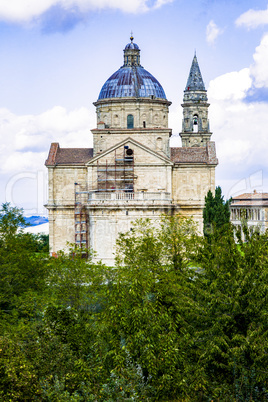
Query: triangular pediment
x=142, y=153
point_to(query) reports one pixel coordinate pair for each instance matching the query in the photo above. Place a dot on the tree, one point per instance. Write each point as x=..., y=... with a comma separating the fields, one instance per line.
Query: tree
x=11, y=220
x=50, y=341
x=216, y=213
x=72, y=278
x=150, y=307
x=233, y=295
x=23, y=272
x=159, y=326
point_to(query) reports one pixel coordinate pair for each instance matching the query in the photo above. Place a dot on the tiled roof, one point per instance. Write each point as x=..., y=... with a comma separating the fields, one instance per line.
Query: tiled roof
x=251, y=196
x=249, y=203
x=205, y=155
x=80, y=156
x=250, y=200
x=68, y=156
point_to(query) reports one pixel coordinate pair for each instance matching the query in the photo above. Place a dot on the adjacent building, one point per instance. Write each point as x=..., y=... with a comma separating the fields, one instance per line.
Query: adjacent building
x=131, y=172
x=251, y=208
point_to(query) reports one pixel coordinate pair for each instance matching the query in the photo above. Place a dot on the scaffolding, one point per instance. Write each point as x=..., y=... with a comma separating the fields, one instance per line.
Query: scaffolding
x=81, y=217
x=119, y=174
x=115, y=176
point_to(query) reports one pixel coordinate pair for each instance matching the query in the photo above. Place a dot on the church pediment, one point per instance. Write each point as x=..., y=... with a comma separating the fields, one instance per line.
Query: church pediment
x=141, y=154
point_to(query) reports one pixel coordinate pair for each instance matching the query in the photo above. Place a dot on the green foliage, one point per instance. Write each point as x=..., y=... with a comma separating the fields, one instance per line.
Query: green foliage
x=233, y=327
x=23, y=273
x=216, y=213
x=151, y=302
x=69, y=276
x=11, y=220
x=18, y=381
x=180, y=318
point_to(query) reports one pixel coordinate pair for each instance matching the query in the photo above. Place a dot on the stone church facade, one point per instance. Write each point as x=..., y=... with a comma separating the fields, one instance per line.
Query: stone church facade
x=131, y=172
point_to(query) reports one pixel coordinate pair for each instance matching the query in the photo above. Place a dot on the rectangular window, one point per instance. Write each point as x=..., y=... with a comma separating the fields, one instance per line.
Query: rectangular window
x=130, y=121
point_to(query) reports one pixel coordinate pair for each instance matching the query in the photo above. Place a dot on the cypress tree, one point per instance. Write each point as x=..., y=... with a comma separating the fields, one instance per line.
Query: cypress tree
x=216, y=214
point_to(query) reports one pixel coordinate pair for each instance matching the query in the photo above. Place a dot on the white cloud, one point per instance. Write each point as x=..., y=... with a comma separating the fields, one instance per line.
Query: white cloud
x=27, y=10
x=241, y=135
x=253, y=18
x=133, y=6
x=160, y=3
x=212, y=32
x=23, y=10
x=23, y=162
x=25, y=140
x=259, y=69
x=232, y=85
x=239, y=124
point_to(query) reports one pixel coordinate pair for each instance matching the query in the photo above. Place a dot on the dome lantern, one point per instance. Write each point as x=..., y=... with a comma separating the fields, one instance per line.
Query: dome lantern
x=131, y=54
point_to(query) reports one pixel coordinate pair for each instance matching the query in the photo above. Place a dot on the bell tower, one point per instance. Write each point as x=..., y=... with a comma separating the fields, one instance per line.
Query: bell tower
x=195, y=124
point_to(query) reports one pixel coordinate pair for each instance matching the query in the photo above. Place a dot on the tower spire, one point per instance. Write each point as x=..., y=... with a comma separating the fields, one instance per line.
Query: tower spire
x=195, y=124
x=195, y=81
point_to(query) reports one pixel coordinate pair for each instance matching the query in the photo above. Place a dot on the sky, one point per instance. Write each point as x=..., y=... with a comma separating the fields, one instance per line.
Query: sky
x=56, y=55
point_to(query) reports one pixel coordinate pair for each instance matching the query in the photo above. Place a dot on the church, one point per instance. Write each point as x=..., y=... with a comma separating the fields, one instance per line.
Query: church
x=131, y=172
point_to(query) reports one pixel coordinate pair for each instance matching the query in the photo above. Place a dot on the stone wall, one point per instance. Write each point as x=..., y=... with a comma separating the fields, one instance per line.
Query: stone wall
x=113, y=113
x=150, y=123
x=190, y=184
x=105, y=225
x=61, y=228
x=61, y=198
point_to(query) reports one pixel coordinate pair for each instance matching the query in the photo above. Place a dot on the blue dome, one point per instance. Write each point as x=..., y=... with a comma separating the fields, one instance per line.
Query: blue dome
x=132, y=45
x=132, y=81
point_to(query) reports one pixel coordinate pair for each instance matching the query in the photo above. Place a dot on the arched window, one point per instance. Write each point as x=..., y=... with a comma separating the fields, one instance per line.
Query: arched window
x=130, y=121
x=195, y=123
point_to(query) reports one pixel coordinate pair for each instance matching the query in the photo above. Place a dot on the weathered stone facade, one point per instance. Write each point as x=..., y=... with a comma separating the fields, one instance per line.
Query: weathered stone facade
x=131, y=172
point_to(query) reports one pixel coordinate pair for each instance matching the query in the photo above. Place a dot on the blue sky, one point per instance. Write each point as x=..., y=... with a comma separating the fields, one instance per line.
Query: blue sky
x=56, y=55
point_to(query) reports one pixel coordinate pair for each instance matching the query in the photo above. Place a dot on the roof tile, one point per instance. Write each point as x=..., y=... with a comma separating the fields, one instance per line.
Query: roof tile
x=68, y=156
x=254, y=198
x=205, y=155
